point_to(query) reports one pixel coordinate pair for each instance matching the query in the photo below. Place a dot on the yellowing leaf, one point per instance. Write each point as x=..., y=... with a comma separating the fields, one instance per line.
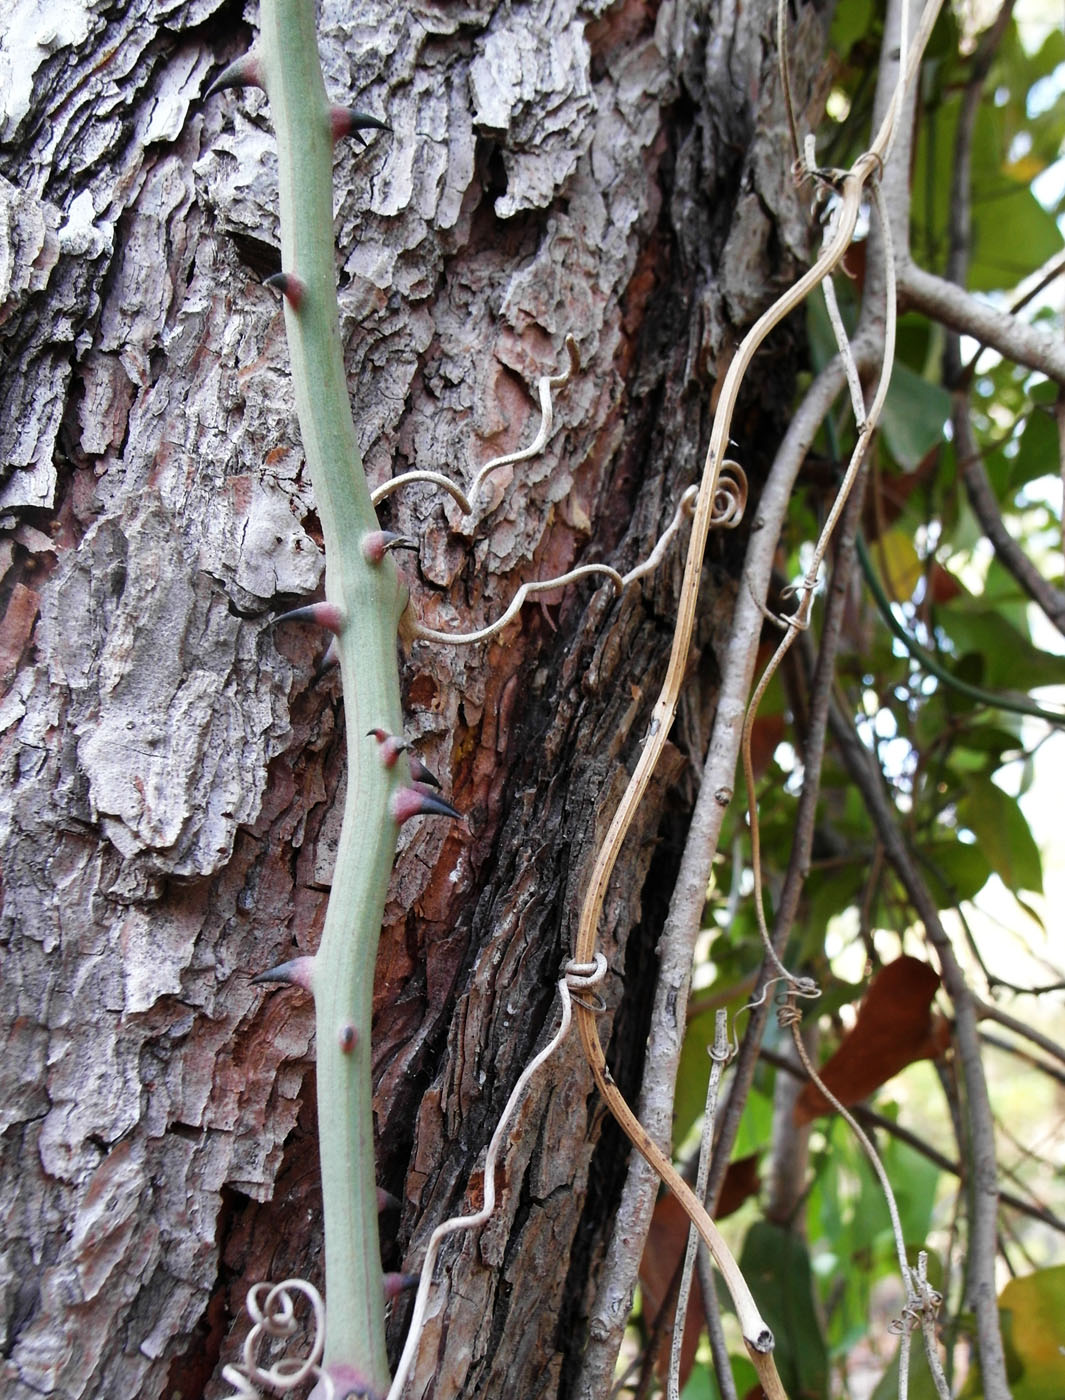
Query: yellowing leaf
x=1036, y=1307
x=898, y=563
x=1024, y=170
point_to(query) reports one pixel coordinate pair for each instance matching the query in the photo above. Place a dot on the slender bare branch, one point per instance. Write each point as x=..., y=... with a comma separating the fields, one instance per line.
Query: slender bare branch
x=991, y=1012
x=719, y=1056
x=983, y=1185
x=965, y=313
x=985, y=507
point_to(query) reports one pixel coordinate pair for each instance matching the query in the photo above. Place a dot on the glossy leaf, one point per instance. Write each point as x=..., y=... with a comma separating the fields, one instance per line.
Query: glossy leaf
x=915, y=414
x=1002, y=833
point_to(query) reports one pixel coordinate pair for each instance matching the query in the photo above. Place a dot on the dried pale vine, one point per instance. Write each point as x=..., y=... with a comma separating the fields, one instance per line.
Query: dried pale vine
x=577, y=982
x=850, y=186
x=866, y=421
x=332, y=454
x=273, y=1314
x=719, y=1056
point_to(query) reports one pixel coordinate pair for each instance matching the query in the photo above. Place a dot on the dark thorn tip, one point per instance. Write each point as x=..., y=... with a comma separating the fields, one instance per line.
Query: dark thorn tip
x=395, y=1284
x=245, y=71
x=294, y=973
x=420, y=801
x=329, y=660
x=321, y=614
x=289, y=285
x=348, y=121
x=421, y=774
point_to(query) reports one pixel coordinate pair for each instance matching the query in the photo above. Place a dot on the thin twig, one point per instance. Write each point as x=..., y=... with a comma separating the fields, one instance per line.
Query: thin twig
x=977, y=485
x=684, y=920
x=989, y=1011
x=469, y=1222
x=986, y=509
x=799, y=620
x=1012, y=1048
x=869, y=1118
x=930, y=1302
x=719, y=1055
x=960, y=311
x=983, y=1179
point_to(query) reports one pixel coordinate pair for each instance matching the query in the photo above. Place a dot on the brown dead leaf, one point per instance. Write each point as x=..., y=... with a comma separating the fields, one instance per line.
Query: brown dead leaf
x=767, y=733
x=895, y=1027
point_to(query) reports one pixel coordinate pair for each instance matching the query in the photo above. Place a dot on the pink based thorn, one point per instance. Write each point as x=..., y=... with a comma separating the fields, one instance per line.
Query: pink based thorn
x=347, y=121
x=291, y=287
x=346, y=1383
x=321, y=614
x=246, y=71
x=390, y=746
x=386, y=1200
x=395, y=1284
x=420, y=801
x=348, y=1038
x=377, y=544
x=296, y=973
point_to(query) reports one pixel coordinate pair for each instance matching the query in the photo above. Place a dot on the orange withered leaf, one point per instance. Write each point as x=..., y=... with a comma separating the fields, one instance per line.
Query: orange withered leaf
x=896, y=1026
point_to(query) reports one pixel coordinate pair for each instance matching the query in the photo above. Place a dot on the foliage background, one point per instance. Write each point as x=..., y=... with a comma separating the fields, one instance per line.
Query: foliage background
x=975, y=785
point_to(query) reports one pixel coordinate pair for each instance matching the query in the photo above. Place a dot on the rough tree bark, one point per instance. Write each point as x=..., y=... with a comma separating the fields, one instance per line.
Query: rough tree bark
x=171, y=761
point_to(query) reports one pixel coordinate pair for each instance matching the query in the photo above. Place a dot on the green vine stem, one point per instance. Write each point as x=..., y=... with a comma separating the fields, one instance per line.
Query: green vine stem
x=366, y=598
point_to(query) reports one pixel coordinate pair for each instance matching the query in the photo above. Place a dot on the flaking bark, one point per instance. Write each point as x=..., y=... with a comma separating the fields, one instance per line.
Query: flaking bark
x=172, y=765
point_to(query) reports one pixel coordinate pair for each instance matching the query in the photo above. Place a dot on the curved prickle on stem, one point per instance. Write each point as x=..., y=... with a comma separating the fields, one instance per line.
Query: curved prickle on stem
x=348, y=121
x=378, y=543
x=326, y=615
x=291, y=287
x=418, y=800
x=296, y=973
x=245, y=71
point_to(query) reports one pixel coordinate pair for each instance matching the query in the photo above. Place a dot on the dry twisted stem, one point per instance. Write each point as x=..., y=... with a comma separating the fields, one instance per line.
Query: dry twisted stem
x=275, y=1316
x=578, y=979
x=800, y=619
x=851, y=187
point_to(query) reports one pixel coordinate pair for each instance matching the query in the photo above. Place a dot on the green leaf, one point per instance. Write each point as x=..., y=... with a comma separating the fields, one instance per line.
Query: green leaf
x=776, y=1265
x=828, y=893
x=916, y=1183
x=1035, y=1305
x=1011, y=231
x=1010, y=661
x=956, y=870
x=1035, y=456
x=913, y=418
x=702, y=1383
x=1002, y=833
x=850, y=23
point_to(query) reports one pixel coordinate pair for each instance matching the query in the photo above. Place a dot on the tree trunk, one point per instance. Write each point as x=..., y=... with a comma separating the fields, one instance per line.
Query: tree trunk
x=172, y=760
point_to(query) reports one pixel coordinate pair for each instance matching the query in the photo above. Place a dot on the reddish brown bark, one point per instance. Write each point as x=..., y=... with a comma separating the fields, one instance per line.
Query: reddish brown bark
x=172, y=761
